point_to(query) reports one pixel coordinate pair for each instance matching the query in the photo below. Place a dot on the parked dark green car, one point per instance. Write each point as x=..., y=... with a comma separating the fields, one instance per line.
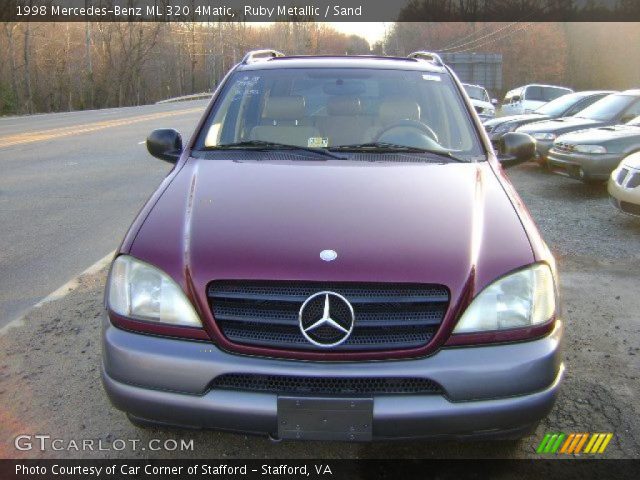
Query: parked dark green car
x=591, y=155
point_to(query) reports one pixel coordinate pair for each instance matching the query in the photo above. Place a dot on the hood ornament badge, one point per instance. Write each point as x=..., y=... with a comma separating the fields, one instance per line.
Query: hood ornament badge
x=326, y=319
x=328, y=255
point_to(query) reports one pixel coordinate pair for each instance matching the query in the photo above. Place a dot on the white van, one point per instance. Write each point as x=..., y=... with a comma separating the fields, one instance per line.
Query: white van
x=528, y=98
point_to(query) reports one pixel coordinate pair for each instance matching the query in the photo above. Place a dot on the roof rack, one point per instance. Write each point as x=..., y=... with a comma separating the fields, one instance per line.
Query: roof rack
x=428, y=56
x=255, y=55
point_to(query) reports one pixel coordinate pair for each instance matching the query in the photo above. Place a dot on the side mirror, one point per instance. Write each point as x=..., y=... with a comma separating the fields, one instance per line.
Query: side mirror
x=516, y=148
x=516, y=99
x=165, y=144
x=494, y=101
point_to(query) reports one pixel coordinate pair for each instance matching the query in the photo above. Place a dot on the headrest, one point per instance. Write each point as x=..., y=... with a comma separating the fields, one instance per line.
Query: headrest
x=398, y=108
x=284, y=108
x=344, y=105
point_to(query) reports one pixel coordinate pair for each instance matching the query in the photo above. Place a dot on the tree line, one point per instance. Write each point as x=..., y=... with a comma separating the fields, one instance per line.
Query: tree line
x=581, y=55
x=48, y=67
x=507, y=10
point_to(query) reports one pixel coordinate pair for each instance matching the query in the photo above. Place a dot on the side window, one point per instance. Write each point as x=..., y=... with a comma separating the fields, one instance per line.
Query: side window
x=534, y=93
x=549, y=94
x=633, y=111
x=582, y=104
x=239, y=107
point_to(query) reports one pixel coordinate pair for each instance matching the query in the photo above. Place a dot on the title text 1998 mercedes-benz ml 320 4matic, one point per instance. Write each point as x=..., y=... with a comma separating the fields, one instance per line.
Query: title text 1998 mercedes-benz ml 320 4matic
x=337, y=254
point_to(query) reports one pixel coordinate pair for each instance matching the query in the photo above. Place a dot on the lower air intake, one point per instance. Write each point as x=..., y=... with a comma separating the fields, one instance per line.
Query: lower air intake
x=292, y=385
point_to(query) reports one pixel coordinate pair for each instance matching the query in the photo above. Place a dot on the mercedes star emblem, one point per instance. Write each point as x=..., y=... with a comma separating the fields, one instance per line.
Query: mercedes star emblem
x=328, y=255
x=326, y=319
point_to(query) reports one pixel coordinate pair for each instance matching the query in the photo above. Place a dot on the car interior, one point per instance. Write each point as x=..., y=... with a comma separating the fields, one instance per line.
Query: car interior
x=339, y=111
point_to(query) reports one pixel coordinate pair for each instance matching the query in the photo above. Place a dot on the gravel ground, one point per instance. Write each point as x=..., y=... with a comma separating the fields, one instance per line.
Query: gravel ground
x=49, y=365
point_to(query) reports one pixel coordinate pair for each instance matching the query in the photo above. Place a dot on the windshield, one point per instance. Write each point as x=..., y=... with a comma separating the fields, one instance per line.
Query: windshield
x=544, y=94
x=557, y=107
x=477, y=93
x=608, y=108
x=334, y=108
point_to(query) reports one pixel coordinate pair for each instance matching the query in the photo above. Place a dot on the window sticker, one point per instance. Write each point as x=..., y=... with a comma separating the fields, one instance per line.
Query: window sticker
x=318, y=142
x=431, y=78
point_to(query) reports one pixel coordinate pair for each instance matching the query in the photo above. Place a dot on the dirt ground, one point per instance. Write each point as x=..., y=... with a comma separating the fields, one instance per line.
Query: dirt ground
x=49, y=365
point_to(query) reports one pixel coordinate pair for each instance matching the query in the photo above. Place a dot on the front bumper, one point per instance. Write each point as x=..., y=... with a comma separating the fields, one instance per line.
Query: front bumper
x=594, y=167
x=491, y=391
x=623, y=197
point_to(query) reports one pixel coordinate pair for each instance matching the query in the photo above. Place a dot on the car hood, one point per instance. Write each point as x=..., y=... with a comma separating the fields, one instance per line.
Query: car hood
x=561, y=125
x=388, y=222
x=598, y=136
x=482, y=104
x=632, y=161
x=529, y=117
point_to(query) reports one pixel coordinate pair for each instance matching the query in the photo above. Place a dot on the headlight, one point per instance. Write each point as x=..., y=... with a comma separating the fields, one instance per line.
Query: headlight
x=544, y=136
x=590, y=149
x=139, y=290
x=521, y=299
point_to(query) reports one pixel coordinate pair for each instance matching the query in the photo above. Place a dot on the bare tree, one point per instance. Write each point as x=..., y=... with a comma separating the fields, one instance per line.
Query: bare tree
x=27, y=68
x=9, y=29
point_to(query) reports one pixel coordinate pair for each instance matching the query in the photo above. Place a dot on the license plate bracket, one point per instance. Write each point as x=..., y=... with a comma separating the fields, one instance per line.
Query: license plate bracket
x=311, y=418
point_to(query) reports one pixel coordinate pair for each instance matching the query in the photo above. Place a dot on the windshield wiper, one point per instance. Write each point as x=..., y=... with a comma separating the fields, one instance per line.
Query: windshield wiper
x=385, y=147
x=264, y=145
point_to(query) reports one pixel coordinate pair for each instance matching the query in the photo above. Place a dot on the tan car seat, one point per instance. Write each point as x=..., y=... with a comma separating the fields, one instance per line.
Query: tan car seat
x=344, y=123
x=282, y=122
x=392, y=110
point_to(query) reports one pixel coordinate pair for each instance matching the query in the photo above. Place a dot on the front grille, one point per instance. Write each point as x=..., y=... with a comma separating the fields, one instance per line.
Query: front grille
x=563, y=147
x=622, y=174
x=630, y=208
x=634, y=180
x=348, y=386
x=387, y=316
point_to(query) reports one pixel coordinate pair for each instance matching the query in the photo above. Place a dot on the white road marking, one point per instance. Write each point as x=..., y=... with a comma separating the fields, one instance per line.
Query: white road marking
x=143, y=141
x=61, y=292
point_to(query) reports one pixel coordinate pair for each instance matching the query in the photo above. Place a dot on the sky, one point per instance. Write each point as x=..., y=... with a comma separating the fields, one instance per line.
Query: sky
x=371, y=31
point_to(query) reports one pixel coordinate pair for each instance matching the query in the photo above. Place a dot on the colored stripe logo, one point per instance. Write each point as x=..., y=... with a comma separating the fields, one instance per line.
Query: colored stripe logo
x=574, y=443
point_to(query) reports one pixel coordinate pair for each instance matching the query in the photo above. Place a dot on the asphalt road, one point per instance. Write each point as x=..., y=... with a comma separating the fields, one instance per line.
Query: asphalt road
x=70, y=185
x=67, y=205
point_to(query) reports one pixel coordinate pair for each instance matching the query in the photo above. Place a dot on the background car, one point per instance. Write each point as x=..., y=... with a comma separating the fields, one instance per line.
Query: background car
x=530, y=97
x=614, y=109
x=480, y=100
x=591, y=155
x=564, y=106
x=624, y=185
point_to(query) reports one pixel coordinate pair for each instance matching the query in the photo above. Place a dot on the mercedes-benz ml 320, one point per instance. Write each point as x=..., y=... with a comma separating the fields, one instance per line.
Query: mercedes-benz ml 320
x=336, y=254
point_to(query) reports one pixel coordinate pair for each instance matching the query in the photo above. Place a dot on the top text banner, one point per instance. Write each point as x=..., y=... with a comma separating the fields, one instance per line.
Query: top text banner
x=320, y=10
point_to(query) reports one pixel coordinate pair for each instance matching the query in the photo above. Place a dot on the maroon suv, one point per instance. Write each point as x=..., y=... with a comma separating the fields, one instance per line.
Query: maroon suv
x=337, y=254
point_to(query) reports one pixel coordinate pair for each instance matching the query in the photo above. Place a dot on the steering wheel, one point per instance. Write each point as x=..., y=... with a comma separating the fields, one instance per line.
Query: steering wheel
x=414, y=124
